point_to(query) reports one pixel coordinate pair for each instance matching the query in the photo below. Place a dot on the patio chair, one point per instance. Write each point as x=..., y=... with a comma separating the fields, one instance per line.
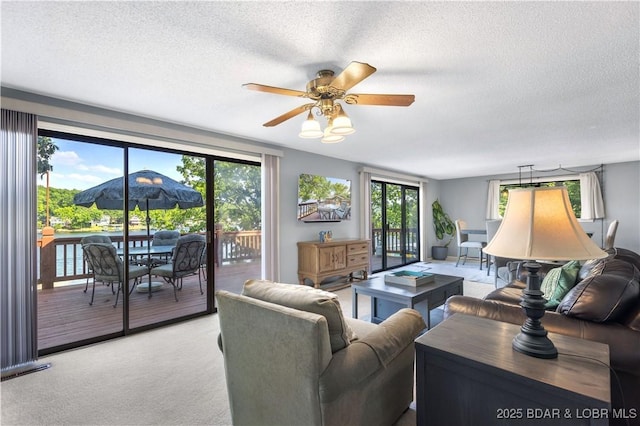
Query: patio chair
x=161, y=238
x=186, y=260
x=92, y=239
x=343, y=212
x=108, y=267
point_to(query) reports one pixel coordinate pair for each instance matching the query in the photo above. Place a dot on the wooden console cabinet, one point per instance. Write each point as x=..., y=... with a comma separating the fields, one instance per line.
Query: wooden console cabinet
x=467, y=373
x=318, y=261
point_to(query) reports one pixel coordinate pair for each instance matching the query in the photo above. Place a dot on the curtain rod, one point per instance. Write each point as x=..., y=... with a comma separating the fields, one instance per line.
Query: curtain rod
x=598, y=169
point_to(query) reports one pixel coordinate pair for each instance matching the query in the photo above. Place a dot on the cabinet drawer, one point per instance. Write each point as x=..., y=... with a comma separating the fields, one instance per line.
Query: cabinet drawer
x=358, y=259
x=358, y=248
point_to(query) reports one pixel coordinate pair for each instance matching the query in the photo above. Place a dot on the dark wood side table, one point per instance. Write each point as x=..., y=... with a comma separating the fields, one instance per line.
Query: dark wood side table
x=387, y=299
x=468, y=374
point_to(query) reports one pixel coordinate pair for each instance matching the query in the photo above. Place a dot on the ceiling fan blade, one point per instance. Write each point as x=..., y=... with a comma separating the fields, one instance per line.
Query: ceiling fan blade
x=288, y=115
x=389, y=100
x=276, y=90
x=353, y=74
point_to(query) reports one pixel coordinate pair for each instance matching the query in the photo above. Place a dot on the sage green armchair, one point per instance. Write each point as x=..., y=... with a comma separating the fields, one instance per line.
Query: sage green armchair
x=288, y=366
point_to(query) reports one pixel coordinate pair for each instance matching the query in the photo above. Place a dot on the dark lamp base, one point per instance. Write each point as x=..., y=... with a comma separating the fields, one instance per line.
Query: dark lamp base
x=539, y=346
x=532, y=339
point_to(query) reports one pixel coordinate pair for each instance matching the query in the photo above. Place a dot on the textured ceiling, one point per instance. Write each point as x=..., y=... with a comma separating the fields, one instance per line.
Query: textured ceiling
x=497, y=85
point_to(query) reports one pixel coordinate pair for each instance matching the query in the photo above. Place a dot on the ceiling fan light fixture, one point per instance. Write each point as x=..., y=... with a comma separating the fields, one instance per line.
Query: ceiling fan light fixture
x=342, y=124
x=325, y=91
x=330, y=137
x=310, y=128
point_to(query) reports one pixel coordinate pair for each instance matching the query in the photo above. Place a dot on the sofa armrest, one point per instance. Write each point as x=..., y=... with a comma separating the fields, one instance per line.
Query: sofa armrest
x=491, y=309
x=394, y=334
x=366, y=355
x=624, y=342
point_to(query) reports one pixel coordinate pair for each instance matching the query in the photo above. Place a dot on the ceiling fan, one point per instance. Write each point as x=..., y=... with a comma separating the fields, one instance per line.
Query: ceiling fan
x=325, y=90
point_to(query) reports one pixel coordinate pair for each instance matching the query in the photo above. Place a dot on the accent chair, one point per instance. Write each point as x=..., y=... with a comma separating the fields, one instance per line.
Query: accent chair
x=291, y=358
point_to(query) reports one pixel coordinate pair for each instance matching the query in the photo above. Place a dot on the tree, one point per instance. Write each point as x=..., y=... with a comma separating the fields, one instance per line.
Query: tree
x=46, y=149
x=237, y=194
x=193, y=174
x=573, y=188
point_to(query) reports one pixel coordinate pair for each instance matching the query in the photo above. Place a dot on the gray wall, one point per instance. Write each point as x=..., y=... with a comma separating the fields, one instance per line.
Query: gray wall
x=291, y=230
x=461, y=198
x=467, y=199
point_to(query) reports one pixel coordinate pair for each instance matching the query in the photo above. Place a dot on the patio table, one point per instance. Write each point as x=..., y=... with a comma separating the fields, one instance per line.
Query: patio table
x=136, y=252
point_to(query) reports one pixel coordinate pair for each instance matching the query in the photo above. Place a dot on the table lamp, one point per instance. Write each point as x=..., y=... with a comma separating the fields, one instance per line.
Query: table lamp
x=539, y=225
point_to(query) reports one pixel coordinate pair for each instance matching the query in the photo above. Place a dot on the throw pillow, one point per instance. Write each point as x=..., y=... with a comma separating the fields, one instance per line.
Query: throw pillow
x=306, y=299
x=557, y=283
x=606, y=295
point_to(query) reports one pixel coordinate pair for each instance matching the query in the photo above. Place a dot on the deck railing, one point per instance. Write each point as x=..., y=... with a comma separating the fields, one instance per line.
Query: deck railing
x=307, y=209
x=61, y=259
x=394, y=241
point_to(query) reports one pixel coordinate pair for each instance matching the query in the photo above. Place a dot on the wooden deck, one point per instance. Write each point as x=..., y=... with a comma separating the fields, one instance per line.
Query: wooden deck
x=65, y=316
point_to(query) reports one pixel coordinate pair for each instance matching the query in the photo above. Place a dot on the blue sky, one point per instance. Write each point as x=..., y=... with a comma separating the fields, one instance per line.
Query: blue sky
x=78, y=165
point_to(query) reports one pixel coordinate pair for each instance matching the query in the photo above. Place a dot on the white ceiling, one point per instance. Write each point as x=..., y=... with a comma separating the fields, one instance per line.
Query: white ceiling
x=497, y=85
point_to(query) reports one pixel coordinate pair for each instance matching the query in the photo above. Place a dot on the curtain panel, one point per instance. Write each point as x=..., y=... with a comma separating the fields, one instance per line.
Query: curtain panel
x=18, y=308
x=365, y=202
x=493, y=200
x=270, y=217
x=591, y=202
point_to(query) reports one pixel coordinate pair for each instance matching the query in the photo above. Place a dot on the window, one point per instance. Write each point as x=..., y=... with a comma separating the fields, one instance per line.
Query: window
x=573, y=188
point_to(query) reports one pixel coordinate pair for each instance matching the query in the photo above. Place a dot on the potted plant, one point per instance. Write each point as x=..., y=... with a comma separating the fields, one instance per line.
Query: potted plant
x=444, y=226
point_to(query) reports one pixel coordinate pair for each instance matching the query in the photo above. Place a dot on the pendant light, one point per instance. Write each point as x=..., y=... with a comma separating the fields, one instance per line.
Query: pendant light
x=310, y=128
x=329, y=136
x=342, y=124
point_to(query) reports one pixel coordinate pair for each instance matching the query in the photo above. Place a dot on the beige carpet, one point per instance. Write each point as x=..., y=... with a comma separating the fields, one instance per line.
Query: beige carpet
x=170, y=376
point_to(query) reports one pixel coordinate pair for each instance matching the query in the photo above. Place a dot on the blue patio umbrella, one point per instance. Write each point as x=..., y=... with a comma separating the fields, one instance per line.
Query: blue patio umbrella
x=148, y=190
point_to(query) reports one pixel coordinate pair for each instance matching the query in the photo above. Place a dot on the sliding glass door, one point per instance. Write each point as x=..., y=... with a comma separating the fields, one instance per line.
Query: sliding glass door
x=394, y=225
x=237, y=238
x=73, y=306
x=173, y=188
x=201, y=231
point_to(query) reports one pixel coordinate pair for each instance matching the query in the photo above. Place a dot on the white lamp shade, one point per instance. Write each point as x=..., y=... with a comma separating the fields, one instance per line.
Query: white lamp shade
x=330, y=137
x=342, y=125
x=539, y=224
x=310, y=128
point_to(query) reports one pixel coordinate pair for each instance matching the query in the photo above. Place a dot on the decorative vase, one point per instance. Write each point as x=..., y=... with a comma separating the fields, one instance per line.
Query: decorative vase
x=439, y=252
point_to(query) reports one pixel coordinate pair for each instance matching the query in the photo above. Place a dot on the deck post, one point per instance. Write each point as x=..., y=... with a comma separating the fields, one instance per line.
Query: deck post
x=47, y=258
